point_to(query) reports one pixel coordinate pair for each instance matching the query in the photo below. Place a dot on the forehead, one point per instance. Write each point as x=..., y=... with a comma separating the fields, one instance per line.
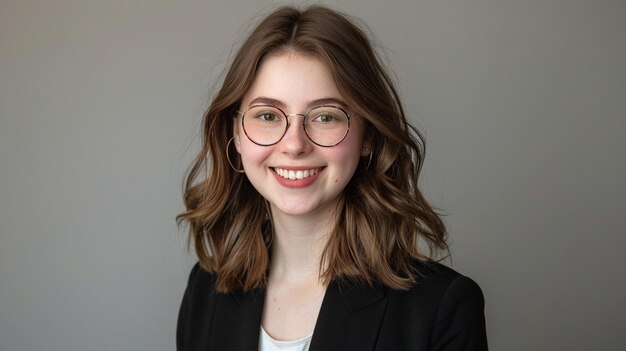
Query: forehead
x=294, y=80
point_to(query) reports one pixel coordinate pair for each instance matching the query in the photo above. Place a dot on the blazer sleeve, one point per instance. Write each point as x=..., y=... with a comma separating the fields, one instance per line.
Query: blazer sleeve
x=183, y=313
x=460, y=321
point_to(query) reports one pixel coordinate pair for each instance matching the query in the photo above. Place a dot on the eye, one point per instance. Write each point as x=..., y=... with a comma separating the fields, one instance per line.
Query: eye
x=328, y=116
x=325, y=118
x=263, y=114
x=267, y=117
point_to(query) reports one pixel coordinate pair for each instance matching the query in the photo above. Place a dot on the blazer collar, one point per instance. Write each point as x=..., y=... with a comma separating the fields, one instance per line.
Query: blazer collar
x=236, y=321
x=349, y=319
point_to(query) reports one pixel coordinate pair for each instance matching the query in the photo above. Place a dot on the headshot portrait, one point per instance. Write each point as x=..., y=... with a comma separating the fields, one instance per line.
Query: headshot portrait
x=312, y=175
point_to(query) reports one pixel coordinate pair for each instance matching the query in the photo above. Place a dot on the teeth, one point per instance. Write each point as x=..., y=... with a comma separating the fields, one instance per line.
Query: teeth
x=301, y=174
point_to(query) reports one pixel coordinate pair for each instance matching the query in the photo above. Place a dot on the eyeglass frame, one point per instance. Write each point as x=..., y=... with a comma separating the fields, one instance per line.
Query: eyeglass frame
x=304, y=115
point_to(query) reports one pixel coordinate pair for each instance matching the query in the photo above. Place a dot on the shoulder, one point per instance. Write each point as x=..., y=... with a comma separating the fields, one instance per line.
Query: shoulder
x=200, y=292
x=436, y=283
x=440, y=280
x=196, y=307
x=200, y=284
x=445, y=302
x=444, y=288
x=200, y=279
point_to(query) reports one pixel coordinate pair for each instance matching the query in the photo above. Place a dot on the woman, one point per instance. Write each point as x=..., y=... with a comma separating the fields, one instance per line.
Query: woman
x=304, y=207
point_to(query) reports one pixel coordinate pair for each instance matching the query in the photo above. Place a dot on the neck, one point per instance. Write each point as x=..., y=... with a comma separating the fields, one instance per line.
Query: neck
x=298, y=245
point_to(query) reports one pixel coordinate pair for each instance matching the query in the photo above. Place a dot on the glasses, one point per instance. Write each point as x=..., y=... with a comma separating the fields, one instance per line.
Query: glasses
x=325, y=125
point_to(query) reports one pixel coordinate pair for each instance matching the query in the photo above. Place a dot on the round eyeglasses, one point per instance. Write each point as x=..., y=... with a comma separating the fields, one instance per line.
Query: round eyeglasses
x=266, y=125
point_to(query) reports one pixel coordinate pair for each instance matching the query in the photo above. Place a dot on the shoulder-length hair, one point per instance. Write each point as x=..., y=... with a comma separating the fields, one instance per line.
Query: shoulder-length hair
x=382, y=221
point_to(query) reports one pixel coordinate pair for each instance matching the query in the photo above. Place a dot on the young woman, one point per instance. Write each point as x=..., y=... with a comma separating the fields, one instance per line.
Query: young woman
x=304, y=207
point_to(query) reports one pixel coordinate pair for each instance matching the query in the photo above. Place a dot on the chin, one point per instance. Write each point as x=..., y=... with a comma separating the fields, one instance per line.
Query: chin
x=295, y=210
x=298, y=208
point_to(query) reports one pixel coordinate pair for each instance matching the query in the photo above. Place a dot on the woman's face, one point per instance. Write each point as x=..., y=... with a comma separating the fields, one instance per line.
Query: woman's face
x=296, y=83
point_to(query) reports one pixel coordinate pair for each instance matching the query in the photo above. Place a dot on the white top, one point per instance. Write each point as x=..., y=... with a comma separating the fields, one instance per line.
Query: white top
x=270, y=344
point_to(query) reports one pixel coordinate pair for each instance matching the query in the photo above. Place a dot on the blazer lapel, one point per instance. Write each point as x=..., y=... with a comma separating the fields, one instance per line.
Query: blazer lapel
x=350, y=317
x=236, y=321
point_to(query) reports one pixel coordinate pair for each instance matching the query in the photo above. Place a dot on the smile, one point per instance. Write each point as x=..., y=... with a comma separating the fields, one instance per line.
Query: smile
x=296, y=174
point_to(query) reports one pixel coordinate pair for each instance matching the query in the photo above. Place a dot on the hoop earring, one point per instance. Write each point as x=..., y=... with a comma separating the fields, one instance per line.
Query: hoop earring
x=228, y=157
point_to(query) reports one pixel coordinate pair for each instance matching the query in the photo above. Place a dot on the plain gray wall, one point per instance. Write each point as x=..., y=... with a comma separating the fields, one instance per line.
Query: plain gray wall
x=522, y=102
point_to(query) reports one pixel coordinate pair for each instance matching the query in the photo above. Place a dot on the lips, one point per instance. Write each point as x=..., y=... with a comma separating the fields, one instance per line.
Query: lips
x=293, y=174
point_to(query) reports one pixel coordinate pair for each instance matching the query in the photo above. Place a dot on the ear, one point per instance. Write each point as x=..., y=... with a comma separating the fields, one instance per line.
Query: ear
x=366, y=148
x=237, y=141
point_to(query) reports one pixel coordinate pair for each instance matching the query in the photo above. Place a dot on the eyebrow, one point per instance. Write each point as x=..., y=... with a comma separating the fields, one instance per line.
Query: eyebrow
x=317, y=102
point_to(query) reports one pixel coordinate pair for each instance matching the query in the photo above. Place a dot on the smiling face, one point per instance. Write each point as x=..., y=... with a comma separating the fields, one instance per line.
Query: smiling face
x=295, y=175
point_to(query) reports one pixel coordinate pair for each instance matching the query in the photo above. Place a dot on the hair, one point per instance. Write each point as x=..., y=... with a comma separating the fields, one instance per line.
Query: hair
x=383, y=223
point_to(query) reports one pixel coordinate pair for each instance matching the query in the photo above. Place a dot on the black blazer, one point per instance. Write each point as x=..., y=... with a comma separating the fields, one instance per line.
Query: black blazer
x=442, y=311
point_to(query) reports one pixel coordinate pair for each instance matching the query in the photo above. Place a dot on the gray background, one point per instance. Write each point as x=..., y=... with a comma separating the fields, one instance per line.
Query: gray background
x=522, y=103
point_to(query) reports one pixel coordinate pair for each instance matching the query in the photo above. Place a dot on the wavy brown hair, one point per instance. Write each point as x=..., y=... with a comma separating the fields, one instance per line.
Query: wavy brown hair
x=382, y=221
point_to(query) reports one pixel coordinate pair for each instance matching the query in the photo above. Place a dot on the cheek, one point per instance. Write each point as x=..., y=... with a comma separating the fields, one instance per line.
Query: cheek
x=346, y=160
x=348, y=155
x=252, y=155
x=350, y=148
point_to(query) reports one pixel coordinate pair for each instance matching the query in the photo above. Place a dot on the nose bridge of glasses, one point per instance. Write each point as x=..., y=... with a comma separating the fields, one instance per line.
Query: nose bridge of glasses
x=300, y=126
x=294, y=137
x=287, y=115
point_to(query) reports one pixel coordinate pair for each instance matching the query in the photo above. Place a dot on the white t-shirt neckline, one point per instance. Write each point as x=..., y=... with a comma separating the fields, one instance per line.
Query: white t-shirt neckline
x=270, y=344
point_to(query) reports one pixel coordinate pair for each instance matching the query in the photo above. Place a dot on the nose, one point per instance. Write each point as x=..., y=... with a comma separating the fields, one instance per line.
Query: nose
x=295, y=141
